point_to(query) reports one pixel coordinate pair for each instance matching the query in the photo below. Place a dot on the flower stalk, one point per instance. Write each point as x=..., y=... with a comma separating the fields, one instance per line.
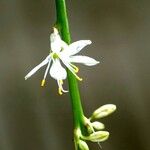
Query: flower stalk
x=85, y=129
x=63, y=26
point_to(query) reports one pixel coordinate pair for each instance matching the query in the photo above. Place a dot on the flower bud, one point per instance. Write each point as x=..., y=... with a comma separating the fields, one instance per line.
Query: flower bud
x=103, y=111
x=87, y=123
x=89, y=129
x=83, y=145
x=98, y=125
x=98, y=136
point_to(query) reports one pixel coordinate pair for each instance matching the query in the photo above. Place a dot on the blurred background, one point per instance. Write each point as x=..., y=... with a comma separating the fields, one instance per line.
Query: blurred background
x=35, y=118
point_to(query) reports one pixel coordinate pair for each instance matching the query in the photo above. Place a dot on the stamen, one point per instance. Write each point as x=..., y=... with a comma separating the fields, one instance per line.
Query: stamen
x=43, y=82
x=76, y=69
x=72, y=68
x=60, y=91
x=80, y=79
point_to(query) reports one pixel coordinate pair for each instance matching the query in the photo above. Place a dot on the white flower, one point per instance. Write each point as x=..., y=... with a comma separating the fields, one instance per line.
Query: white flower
x=61, y=51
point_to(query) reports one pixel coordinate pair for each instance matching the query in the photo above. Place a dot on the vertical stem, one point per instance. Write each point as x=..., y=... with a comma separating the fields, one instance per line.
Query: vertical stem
x=62, y=20
x=62, y=24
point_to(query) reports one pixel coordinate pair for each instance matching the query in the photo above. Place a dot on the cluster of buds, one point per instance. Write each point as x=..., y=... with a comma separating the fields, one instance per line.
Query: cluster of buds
x=95, y=129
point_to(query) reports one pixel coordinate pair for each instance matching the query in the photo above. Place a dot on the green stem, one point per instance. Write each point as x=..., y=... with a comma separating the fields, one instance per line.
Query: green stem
x=62, y=24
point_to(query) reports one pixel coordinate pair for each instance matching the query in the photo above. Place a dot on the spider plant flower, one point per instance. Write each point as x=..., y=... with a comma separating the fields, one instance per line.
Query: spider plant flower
x=61, y=52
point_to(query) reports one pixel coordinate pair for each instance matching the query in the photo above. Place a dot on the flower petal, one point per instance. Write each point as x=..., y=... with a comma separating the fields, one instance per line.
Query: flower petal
x=76, y=47
x=34, y=70
x=56, y=43
x=57, y=71
x=88, y=61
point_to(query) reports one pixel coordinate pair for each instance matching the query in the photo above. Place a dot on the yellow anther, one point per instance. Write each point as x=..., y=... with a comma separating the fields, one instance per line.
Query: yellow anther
x=76, y=69
x=43, y=82
x=60, y=91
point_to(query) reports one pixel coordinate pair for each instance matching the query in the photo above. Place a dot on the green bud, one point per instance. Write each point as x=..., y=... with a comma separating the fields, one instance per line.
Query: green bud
x=89, y=129
x=83, y=145
x=98, y=136
x=103, y=111
x=87, y=123
x=77, y=133
x=98, y=125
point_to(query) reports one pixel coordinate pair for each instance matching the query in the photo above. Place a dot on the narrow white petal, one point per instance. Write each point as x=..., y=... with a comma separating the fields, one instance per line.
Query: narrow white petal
x=34, y=70
x=56, y=43
x=57, y=71
x=56, y=46
x=88, y=61
x=76, y=47
x=64, y=45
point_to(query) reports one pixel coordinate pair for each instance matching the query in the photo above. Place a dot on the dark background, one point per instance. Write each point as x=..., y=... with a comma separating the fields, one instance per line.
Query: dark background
x=35, y=118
